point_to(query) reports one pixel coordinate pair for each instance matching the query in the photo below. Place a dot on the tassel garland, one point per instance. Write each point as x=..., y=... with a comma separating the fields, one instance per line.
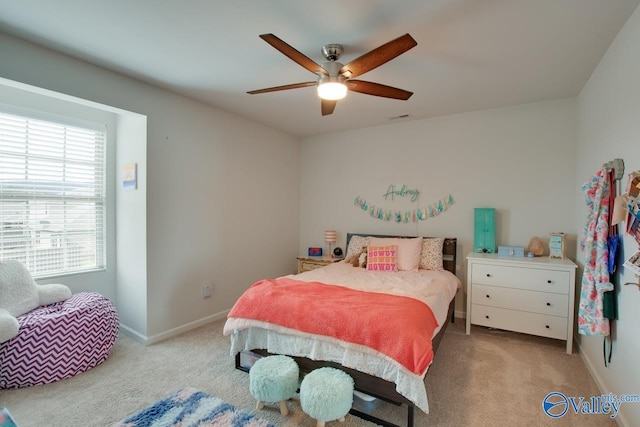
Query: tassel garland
x=415, y=215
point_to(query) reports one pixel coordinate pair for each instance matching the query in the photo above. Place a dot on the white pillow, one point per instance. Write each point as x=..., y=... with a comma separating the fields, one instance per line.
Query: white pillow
x=409, y=250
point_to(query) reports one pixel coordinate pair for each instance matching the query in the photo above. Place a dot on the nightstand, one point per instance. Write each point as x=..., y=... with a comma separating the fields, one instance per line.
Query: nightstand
x=311, y=263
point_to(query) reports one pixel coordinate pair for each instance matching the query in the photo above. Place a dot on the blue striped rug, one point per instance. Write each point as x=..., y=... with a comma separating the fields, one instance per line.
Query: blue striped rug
x=189, y=407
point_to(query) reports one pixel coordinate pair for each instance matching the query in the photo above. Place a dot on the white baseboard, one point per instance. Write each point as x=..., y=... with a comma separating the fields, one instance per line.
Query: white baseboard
x=620, y=419
x=132, y=333
x=148, y=340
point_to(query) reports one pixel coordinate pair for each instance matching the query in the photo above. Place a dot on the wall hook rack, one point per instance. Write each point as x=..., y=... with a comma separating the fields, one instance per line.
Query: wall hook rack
x=618, y=166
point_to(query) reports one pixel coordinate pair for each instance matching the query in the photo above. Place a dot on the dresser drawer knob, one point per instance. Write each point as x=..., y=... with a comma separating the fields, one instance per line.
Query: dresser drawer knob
x=548, y=304
x=486, y=317
x=488, y=275
x=549, y=281
x=547, y=326
x=488, y=296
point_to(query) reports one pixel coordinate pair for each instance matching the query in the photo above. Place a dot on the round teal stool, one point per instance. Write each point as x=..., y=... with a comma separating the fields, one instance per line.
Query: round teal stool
x=326, y=394
x=274, y=379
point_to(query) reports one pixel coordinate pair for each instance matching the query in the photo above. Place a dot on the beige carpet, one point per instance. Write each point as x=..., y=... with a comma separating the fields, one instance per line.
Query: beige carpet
x=484, y=379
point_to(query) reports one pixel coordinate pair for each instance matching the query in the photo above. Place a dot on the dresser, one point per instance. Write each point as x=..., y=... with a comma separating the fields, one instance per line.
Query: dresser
x=529, y=295
x=311, y=263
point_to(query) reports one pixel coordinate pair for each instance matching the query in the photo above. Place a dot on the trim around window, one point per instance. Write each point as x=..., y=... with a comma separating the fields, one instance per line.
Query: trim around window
x=52, y=195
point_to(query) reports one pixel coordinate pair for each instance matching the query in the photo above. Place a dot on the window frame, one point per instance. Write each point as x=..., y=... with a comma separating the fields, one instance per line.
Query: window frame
x=99, y=185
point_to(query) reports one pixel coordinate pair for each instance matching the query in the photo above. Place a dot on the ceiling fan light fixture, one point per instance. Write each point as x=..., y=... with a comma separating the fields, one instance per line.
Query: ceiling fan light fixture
x=332, y=88
x=335, y=79
x=332, y=91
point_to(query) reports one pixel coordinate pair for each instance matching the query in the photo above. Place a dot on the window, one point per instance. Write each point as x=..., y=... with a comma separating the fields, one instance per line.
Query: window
x=52, y=195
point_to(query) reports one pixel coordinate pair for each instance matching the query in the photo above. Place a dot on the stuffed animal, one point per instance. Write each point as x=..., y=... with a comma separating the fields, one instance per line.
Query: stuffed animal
x=19, y=294
x=362, y=260
x=358, y=259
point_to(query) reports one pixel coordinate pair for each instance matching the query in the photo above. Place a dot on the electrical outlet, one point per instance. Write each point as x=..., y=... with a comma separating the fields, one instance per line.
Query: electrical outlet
x=206, y=291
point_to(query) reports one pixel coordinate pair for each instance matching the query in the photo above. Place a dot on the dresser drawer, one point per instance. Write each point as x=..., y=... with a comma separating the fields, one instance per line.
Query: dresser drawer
x=311, y=265
x=533, y=279
x=308, y=263
x=520, y=321
x=520, y=299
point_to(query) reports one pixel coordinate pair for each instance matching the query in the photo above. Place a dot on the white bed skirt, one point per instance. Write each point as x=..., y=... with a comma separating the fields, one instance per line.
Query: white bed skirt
x=353, y=356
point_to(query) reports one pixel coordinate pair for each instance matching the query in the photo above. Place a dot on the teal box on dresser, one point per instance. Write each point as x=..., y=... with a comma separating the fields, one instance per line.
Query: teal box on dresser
x=484, y=239
x=510, y=251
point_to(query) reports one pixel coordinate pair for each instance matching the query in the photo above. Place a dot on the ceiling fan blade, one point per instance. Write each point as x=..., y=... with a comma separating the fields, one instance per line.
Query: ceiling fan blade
x=283, y=87
x=293, y=54
x=377, y=89
x=328, y=107
x=378, y=56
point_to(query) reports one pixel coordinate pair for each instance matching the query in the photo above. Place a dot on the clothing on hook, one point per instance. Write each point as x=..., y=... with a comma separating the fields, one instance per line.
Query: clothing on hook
x=595, y=279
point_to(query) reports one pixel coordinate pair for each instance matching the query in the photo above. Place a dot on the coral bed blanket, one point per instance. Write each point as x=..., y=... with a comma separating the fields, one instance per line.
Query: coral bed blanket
x=397, y=326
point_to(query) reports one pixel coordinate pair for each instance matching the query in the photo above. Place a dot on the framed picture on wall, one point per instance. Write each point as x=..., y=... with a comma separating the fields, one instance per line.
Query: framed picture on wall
x=130, y=176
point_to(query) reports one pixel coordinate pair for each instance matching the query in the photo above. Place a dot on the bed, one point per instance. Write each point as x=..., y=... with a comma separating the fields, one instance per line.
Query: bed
x=415, y=277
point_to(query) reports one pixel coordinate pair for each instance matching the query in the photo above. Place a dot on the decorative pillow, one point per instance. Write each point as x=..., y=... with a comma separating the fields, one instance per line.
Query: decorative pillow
x=431, y=256
x=409, y=250
x=356, y=245
x=382, y=258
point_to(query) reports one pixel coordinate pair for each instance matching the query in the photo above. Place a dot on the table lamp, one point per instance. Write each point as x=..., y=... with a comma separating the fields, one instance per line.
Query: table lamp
x=330, y=236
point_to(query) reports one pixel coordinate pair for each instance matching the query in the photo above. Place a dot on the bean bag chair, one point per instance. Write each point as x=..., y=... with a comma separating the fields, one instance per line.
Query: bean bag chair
x=59, y=340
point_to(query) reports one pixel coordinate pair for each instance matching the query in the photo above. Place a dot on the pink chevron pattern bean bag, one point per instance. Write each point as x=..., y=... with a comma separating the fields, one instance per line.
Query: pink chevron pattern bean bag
x=59, y=341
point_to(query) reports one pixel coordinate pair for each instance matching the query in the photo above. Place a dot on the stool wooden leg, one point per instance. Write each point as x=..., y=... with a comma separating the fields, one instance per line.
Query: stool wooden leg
x=283, y=408
x=320, y=424
x=259, y=405
x=341, y=419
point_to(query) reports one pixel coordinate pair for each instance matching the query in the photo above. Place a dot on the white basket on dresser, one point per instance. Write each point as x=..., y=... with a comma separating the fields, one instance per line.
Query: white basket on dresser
x=529, y=295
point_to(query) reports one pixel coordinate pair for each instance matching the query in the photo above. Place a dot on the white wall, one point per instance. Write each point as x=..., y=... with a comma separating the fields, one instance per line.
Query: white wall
x=222, y=192
x=608, y=128
x=519, y=160
x=131, y=218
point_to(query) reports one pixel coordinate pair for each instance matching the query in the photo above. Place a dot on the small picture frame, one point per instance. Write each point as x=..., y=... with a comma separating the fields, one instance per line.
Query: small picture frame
x=557, y=245
x=315, y=252
x=130, y=176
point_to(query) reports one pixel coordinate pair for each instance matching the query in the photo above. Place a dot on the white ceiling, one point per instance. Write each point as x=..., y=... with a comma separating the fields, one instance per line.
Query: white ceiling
x=471, y=54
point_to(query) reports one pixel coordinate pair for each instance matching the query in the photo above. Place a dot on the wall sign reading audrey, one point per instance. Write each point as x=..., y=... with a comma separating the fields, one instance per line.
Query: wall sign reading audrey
x=393, y=191
x=406, y=216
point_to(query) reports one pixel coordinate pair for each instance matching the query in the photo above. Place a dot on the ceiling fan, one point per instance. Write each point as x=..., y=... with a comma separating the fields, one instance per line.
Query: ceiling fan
x=334, y=79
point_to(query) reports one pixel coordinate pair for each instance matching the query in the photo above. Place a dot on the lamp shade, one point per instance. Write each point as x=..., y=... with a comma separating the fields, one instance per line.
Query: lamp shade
x=330, y=236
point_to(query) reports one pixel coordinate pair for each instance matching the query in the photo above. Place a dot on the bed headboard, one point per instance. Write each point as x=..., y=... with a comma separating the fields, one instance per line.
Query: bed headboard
x=449, y=248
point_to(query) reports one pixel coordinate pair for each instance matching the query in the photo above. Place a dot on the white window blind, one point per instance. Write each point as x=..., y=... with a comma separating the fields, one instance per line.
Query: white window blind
x=52, y=195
